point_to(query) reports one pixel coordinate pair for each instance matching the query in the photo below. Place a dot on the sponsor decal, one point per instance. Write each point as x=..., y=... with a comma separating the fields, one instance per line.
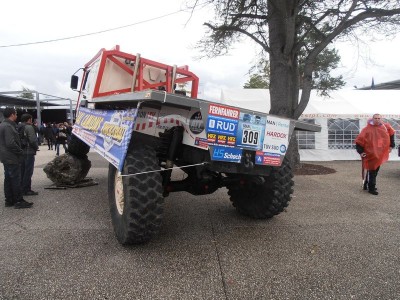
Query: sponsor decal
x=211, y=138
x=270, y=160
x=203, y=143
x=223, y=111
x=108, y=132
x=283, y=148
x=226, y=154
x=267, y=159
x=222, y=126
x=222, y=139
x=276, y=137
x=284, y=124
x=251, y=131
x=270, y=147
x=231, y=140
x=280, y=135
x=196, y=125
x=270, y=122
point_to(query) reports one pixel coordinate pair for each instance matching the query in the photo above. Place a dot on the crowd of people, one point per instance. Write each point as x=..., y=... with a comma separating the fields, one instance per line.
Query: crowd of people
x=18, y=146
x=56, y=135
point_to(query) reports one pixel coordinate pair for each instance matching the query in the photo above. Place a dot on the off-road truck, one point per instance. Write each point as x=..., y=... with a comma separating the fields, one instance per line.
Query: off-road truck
x=145, y=119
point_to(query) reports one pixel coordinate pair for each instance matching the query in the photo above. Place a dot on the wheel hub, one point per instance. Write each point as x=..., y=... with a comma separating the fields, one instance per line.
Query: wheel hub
x=119, y=193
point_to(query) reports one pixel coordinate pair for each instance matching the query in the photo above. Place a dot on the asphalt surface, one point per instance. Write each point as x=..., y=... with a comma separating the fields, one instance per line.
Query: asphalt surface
x=335, y=241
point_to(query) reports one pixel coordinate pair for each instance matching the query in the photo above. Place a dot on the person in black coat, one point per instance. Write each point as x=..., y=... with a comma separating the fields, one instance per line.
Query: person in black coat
x=49, y=136
x=11, y=155
x=28, y=162
x=61, y=138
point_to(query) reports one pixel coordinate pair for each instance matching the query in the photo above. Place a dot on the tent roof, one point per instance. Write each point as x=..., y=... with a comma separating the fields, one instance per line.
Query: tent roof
x=340, y=104
x=22, y=102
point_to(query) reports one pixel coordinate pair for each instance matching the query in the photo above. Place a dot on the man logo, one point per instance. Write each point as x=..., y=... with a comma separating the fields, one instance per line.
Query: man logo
x=270, y=122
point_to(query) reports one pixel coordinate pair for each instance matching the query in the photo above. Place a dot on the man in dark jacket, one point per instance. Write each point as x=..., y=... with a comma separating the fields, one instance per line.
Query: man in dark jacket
x=11, y=155
x=28, y=162
x=49, y=136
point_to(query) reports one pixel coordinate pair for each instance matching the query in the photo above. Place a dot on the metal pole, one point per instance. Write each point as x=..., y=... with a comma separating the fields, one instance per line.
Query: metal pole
x=173, y=79
x=71, y=112
x=135, y=72
x=38, y=114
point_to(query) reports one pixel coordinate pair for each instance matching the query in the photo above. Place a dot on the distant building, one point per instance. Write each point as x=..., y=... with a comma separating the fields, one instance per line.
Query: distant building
x=390, y=85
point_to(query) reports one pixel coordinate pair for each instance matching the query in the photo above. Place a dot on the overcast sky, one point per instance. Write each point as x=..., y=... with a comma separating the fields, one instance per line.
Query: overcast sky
x=47, y=67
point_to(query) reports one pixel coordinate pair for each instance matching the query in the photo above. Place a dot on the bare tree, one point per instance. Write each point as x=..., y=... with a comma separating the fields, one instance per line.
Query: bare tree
x=286, y=28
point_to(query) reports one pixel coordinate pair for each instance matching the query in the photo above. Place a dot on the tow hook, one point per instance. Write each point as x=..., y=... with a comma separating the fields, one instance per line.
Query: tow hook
x=247, y=161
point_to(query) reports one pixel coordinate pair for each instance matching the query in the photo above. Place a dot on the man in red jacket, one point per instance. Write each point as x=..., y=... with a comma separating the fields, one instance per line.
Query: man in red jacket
x=374, y=144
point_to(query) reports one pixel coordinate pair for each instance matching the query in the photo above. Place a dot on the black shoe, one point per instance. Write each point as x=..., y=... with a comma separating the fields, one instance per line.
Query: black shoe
x=373, y=192
x=23, y=204
x=365, y=187
x=8, y=204
x=31, y=193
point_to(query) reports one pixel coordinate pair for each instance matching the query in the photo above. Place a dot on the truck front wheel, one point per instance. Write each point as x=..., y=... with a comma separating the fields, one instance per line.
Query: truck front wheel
x=136, y=201
x=263, y=197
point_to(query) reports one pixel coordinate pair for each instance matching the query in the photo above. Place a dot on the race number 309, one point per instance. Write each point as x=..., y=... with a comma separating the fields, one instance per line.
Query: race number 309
x=250, y=137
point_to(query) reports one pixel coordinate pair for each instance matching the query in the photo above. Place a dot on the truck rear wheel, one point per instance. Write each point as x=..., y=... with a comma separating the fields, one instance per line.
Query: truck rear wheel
x=136, y=202
x=267, y=199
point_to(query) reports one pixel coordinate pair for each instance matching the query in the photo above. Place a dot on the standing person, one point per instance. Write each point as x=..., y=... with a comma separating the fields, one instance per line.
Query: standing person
x=31, y=146
x=54, y=127
x=11, y=155
x=41, y=133
x=68, y=128
x=374, y=144
x=61, y=138
x=49, y=136
x=36, y=127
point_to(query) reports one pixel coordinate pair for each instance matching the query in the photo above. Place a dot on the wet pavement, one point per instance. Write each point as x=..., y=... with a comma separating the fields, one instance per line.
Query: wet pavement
x=334, y=241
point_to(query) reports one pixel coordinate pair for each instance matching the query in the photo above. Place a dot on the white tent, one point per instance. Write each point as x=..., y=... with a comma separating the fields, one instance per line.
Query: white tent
x=341, y=116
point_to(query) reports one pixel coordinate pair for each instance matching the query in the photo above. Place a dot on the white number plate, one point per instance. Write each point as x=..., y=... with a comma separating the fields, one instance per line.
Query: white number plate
x=251, y=137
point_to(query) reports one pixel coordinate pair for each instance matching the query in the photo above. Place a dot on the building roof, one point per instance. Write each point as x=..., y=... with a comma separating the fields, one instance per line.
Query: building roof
x=390, y=85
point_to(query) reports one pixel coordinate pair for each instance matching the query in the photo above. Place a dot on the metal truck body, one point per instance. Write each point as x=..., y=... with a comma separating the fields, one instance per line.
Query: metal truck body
x=131, y=112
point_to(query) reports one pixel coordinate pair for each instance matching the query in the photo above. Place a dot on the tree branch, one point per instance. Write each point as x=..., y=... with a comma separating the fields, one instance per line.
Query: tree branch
x=250, y=16
x=238, y=29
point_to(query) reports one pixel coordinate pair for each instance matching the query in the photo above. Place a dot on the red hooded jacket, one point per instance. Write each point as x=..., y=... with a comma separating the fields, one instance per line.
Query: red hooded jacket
x=375, y=140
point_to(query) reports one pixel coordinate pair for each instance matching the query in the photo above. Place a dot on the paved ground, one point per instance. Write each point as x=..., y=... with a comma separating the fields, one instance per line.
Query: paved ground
x=333, y=242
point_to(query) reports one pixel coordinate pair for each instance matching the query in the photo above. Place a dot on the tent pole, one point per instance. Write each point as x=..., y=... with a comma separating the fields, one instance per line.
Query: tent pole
x=39, y=113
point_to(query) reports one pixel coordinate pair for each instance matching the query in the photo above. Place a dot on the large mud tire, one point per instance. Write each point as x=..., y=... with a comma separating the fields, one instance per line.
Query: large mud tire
x=262, y=201
x=136, y=202
x=78, y=148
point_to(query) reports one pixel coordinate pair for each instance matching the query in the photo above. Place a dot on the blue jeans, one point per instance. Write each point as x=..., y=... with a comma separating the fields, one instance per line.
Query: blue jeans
x=58, y=148
x=27, y=167
x=12, y=183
